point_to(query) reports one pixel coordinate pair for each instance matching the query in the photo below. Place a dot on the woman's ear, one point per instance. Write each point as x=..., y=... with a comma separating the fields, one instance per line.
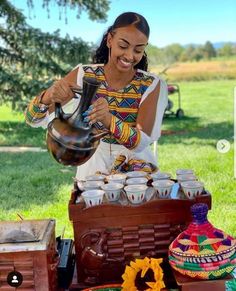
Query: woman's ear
x=109, y=38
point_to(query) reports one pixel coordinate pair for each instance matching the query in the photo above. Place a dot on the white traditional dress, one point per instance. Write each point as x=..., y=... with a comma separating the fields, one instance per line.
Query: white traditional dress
x=125, y=139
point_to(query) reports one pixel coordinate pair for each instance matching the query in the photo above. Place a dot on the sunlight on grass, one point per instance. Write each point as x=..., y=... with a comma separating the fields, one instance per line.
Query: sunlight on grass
x=58, y=210
x=212, y=168
x=6, y=114
x=34, y=185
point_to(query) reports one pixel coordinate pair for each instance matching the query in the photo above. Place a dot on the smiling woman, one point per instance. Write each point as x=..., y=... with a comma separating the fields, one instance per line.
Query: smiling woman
x=129, y=102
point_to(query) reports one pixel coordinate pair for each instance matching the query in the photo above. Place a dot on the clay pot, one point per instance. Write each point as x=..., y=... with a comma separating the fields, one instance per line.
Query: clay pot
x=70, y=140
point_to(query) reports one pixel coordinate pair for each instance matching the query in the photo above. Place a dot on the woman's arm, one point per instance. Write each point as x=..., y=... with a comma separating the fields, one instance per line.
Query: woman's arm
x=42, y=105
x=147, y=111
x=138, y=137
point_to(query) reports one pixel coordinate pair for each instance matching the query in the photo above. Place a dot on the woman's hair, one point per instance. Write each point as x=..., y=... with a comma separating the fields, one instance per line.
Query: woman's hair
x=125, y=19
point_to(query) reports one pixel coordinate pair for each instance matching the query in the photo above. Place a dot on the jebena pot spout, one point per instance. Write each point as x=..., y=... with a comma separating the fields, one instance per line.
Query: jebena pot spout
x=70, y=140
x=98, y=136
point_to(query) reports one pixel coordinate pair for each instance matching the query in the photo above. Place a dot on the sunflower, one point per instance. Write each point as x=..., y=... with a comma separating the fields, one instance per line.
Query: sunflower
x=143, y=265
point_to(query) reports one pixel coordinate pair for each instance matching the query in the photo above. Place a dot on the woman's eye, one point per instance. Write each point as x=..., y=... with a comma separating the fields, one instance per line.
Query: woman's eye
x=138, y=52
x=123, y=47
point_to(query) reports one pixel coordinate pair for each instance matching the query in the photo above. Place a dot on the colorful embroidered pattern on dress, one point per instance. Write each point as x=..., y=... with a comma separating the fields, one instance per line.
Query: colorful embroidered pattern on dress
x=123, y=104
x=121, y=165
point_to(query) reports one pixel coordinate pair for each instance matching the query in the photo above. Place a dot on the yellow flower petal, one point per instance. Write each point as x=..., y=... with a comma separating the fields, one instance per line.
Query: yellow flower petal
x=158, y=275
x=150, y=284
x=157, y=286
x=135, y=266
x=143, y=265
x=155, y=263
x=144, y=271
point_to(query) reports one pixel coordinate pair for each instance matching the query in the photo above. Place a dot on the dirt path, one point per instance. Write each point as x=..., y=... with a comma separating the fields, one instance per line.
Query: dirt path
x=21, y=149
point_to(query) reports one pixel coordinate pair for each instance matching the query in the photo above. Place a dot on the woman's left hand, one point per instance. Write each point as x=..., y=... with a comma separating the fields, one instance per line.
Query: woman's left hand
x=98, y=111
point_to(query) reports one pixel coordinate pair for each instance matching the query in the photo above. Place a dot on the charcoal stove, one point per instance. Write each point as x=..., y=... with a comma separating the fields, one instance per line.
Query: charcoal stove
x=29, y=247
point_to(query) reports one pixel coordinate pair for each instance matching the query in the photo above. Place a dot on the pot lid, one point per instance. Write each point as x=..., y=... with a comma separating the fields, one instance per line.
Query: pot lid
x=201, y=238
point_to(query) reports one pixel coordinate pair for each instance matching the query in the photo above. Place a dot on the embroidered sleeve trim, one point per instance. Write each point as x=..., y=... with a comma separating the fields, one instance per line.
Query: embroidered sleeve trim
x=36, y=110
x=124, y=133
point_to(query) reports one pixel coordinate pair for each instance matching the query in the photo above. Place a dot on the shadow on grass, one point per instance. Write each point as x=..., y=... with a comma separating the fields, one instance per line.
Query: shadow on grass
x=185, y=123
x=14, y=133
x=32, y=179
x=207, y=134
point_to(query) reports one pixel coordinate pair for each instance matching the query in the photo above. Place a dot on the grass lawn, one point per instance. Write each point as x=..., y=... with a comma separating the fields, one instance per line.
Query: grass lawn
x=35, y=186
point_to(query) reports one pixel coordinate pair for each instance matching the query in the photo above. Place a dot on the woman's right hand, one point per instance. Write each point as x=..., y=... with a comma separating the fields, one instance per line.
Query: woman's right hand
x=59, y=92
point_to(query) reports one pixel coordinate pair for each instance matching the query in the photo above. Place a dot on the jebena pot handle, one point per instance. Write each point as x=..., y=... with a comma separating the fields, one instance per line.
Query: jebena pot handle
x=58, y=110
x=59, y=113
x=82, y=244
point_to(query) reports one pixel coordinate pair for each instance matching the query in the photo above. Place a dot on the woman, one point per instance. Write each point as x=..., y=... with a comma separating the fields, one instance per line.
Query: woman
x=130, y=102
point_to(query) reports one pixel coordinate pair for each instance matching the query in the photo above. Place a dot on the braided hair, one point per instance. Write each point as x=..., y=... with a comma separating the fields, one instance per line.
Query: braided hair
x=125, y=19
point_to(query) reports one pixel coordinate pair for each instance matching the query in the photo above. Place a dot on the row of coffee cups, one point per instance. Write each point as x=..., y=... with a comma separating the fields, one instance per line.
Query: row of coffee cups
x=133, y=183
x=112, y=191
x=135, y=188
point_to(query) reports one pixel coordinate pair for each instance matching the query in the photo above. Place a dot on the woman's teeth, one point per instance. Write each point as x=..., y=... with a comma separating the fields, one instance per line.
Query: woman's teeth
x=125, y=63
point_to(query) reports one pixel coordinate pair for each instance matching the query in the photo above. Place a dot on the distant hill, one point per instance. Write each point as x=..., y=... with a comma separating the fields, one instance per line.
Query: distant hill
x=216, y=45
x=219, y=44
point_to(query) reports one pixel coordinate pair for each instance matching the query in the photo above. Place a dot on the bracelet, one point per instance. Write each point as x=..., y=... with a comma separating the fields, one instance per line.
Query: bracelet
x=41, y=106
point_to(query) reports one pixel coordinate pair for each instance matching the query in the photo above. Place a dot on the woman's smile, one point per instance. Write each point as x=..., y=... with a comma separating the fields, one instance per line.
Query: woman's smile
x=125, y=64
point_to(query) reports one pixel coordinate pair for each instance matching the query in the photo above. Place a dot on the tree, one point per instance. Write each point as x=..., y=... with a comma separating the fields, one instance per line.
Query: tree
x=198, y=54
x=209, y=51
x=97, y=10
x=155, y=55
x=30, y=59
x=173, y=52
x=188, y=53
x=227, y=50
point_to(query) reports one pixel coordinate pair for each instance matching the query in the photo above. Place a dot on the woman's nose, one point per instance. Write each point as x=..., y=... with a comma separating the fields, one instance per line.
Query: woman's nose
x=129, y=55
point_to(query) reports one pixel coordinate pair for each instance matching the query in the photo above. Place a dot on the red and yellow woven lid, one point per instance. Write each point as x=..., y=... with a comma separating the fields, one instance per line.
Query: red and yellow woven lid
x=203, y=250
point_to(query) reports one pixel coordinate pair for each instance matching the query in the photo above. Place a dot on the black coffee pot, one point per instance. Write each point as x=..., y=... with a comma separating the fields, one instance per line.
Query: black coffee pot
x=70, y=139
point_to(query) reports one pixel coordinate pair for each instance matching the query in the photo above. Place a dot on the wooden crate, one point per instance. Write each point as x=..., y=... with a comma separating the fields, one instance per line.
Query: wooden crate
x=36, y=261
x=131, y=231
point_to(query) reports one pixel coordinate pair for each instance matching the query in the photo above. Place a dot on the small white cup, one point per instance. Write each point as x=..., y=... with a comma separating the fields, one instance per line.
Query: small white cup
x=136, y=174
x=186, y=177
x=163, y=187
x=92, y=197
x=184, y=172
x=91, y=185
x=95, y=178
x=136, y=181
x=160, y=176
x=136, y=193
x=192, y=188
x=112, y=191
x=117, y=178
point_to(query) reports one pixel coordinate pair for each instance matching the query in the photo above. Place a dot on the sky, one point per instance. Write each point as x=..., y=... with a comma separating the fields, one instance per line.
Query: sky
x=170, y=21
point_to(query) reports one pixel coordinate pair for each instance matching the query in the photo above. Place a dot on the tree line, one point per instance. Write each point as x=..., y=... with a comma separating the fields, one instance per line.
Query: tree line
x=177, y=53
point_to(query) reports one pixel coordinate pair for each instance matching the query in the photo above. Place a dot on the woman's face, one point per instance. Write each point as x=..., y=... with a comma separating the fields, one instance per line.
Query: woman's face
x=127, y=46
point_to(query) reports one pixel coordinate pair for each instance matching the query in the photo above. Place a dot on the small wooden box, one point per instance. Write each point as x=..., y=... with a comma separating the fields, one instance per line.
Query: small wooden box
x=131, y=231
x=36, y=259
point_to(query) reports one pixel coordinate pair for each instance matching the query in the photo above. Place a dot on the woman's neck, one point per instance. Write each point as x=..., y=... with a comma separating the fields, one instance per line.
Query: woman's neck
x=116, y=79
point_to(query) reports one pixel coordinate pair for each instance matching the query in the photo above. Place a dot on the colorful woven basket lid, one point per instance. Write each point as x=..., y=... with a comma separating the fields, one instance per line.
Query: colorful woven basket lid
x=202, y=250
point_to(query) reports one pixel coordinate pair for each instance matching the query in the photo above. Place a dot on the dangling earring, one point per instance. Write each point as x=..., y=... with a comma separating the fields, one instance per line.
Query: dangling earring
x=109, y=52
